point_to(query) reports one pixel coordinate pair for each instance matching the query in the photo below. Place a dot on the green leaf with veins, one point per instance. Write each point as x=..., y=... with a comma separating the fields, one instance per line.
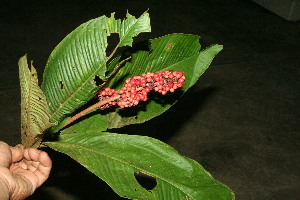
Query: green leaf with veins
x=69, y=76
x=34, y=108
x=179, y=52
x=116, y=158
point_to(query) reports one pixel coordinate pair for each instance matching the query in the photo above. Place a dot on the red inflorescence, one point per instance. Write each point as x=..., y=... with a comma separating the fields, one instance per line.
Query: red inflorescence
x=107, y=93
x=136, y=89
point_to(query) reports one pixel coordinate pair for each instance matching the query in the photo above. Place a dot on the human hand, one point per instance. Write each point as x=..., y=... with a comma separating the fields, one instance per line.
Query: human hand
x=22, y=171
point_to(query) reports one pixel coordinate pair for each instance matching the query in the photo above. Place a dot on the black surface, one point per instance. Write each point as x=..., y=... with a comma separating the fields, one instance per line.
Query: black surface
x=240, y=121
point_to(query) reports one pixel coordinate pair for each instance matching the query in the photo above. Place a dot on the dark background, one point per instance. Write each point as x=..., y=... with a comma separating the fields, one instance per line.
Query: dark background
x=241, y=119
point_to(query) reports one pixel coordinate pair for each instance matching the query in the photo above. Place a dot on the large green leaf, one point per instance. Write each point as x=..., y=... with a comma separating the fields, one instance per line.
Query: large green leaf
x=115, y=158
x=69, y=76
x=34, y=108
x=180, y=52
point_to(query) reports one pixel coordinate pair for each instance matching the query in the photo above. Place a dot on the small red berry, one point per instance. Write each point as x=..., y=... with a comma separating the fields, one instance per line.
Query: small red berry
x=170, y=85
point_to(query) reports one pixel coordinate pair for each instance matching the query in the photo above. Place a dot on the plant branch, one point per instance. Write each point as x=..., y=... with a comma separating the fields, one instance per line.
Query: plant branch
x=92, y=107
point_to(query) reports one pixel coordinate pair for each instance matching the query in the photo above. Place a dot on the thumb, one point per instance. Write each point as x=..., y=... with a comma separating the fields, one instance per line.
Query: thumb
x=5, y=155
x=17, y=153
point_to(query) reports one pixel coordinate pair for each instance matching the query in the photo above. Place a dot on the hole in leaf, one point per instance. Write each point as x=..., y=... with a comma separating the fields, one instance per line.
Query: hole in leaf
x=146, y=181
x=112, y=42
x=61, y=84
x=139, y=46
x=98, y=81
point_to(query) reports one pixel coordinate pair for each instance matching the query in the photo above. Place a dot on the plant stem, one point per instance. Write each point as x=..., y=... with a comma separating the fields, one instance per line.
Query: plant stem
x=92, y=107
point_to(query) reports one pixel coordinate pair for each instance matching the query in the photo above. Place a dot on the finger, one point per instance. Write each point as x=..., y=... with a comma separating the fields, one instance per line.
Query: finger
x=5, y=155
x=38, y=156
x=17, y=153
x=32, y=163
x=33, y=167
x=26, y=154
x=45, y=160
x=40, y=165
x=44, y=168
x=32, y=154
x=21, y=164
x=38, y=159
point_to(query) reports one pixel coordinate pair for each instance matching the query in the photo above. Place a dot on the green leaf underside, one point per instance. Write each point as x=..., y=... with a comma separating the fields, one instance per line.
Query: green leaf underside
x=116, y=157
x=76, y=61
x=34, y=109
x=180, y=52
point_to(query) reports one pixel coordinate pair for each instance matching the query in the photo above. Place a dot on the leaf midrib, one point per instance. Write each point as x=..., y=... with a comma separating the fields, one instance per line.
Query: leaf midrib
x=28, y=130
x=76, y=91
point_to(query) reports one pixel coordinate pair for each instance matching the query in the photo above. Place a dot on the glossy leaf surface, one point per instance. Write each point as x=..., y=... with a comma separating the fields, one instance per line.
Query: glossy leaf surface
x=73, y=66
x=116, y=158
x=179, y=52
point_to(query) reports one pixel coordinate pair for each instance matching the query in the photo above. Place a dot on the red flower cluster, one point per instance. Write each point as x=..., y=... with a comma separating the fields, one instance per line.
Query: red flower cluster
x=136, y=89
x=107, y=93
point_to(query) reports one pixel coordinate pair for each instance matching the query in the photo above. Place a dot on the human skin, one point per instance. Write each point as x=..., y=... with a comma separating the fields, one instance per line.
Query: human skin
x=22, y=171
